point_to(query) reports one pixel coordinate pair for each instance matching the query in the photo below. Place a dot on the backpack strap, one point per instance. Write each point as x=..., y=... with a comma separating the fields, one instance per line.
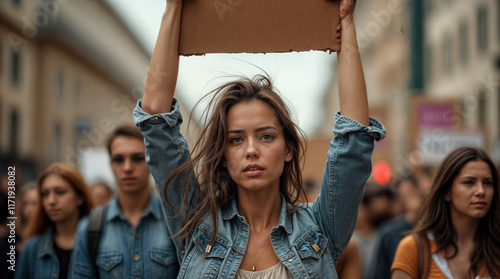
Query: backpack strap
x=424, y=256
x=94, y=229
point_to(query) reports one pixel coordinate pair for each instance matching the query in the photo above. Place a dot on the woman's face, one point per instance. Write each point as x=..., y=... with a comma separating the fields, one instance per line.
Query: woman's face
x=471, y=193
x=255, y=153
x=29, y=203
x=59, y=199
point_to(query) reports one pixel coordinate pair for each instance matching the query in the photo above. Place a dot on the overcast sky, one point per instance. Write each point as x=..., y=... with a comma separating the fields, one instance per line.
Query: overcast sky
x=300, y=77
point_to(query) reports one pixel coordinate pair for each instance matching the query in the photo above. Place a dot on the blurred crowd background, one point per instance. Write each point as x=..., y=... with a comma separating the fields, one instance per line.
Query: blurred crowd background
x=71, y=71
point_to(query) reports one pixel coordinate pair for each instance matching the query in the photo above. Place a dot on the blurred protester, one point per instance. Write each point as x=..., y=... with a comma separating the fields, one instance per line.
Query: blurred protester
x=134, y=223
x=375, y=208
x=63, y=198
x=349, y=265
x=101, y=192
x=458, y=226
x=28, y=197
x=390, y=233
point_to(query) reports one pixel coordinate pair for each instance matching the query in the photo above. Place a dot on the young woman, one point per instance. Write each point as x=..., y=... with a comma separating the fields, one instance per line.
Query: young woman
x=235, y=218
x=29, y=197
x=459, y=220
x=63, y=198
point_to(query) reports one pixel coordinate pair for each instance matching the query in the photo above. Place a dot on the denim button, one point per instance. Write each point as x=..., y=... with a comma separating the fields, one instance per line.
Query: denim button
x=165, y=261
x=137, y=235
x=137, y=257
x=56, y=275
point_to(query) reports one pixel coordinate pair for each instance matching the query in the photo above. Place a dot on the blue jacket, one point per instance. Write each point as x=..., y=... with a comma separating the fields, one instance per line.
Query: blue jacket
x=127, y=252
x=38, y=258
x=308, y=243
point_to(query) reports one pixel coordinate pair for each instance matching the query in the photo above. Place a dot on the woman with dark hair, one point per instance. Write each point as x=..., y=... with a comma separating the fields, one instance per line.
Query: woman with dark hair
x=230, y=206
x=63, y=199
x=459, y=223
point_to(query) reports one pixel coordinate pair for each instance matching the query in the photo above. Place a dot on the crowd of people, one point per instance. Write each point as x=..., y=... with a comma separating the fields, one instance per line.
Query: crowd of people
x=234, y=207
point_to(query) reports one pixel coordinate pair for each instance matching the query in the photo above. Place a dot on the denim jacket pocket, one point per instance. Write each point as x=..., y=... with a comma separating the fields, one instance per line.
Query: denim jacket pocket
x=163, y=263
x=209, y=258
x=311, y=248
x=83, y=271
x=217, y=250
x=312, y=244
x=109, y=264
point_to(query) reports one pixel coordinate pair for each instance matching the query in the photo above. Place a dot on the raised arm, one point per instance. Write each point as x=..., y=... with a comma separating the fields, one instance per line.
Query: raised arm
x=162, y=73
x=348, y=163
x=352, y=88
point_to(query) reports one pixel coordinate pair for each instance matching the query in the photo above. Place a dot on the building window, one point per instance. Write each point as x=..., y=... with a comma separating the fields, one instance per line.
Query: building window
x=56, y=142
x=59, y=85
x=15, y=66
x=482, y=29
x=464, y=43
x=17, y=3
x=14, y=133
x=447, y=53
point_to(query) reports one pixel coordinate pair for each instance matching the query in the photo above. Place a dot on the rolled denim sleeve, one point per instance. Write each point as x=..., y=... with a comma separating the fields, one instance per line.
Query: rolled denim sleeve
x=166, y=150
x=347, y=168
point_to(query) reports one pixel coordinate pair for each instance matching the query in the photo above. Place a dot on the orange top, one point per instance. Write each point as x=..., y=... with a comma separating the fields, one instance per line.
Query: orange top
x=406, y=259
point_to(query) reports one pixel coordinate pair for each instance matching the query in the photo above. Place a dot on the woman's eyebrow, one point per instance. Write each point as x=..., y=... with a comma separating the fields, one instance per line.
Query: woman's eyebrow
x=256, y=130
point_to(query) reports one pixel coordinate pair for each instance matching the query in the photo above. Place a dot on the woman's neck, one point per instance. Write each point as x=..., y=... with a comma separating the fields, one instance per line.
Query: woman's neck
x=465, y=228
x=260, y=209
x=65, y=232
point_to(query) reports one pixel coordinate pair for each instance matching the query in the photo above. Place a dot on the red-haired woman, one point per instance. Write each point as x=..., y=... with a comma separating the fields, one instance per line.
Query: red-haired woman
x=63, y=199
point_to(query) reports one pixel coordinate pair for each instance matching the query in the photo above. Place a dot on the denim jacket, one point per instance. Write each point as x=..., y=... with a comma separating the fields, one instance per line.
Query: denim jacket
x=145, y=251
x=308, y=242
x=38, y=258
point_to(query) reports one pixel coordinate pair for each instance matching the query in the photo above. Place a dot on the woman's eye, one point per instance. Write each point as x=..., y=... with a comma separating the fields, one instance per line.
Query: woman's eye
x=236, y=140
x=267, y=137
x=117, y=160
x=488, y=183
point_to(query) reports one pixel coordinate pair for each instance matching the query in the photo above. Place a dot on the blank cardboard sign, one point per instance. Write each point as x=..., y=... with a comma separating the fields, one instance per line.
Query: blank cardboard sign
x=258, y=26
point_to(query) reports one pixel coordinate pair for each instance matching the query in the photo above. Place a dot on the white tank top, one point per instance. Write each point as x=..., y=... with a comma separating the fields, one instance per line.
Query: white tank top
x=278, y=271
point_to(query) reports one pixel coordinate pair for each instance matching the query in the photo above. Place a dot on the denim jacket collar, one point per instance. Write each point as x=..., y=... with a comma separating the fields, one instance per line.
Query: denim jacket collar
x=285, y=222
x=46, y=240
x=154, y=208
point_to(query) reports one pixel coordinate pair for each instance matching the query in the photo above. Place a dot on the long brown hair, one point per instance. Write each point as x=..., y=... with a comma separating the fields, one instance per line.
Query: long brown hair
x=40, y=221
x=435, y=212
x=215, y=188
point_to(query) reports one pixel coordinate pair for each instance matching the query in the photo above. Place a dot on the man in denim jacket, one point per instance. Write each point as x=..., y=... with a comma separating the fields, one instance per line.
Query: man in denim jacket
x=134, y=242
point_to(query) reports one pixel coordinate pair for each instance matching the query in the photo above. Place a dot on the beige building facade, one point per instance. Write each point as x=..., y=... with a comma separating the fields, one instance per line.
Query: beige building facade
x=71, y=71
x=432, y=70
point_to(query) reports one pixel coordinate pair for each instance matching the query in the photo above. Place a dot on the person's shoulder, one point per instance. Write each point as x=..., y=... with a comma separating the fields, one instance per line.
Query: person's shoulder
x=83, y=225
x=408, y=245
x=32, y=243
